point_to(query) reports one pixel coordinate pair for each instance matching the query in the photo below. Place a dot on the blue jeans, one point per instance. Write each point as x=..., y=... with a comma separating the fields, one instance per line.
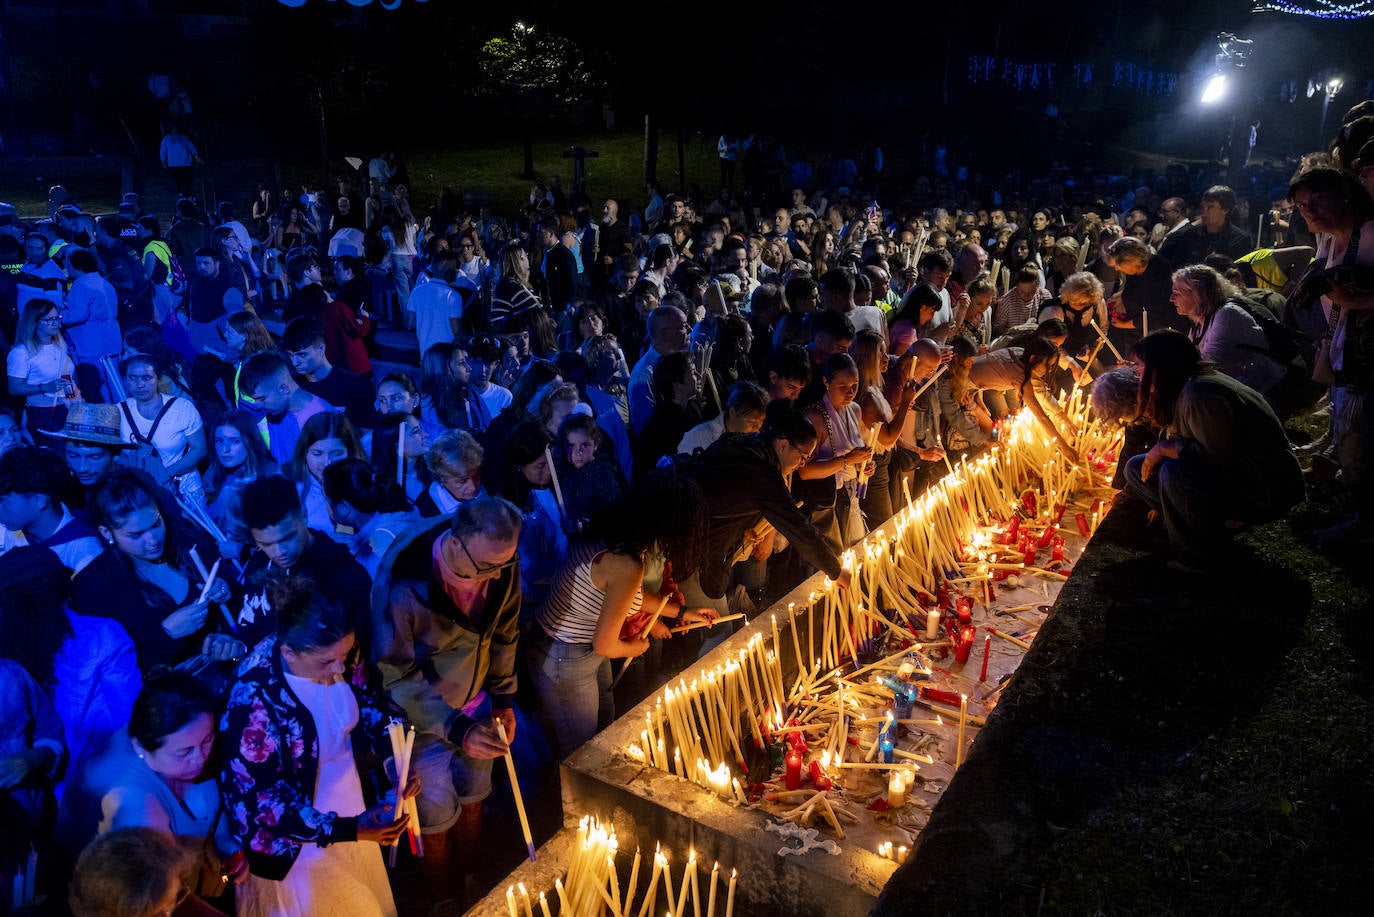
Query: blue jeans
x=574, y=686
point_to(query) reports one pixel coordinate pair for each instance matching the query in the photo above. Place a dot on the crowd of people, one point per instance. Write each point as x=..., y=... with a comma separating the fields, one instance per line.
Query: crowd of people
x=240, y=537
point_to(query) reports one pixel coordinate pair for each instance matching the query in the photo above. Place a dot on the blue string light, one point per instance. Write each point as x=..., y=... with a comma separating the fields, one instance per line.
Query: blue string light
x=1320, y=9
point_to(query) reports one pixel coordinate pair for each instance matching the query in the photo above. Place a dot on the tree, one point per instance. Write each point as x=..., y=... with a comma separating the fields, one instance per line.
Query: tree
x=539, y=74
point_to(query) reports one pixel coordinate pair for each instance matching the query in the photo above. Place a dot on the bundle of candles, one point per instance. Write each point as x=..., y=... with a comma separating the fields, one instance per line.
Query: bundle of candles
x=402, y=748
x=592, y=885
x=837, y=698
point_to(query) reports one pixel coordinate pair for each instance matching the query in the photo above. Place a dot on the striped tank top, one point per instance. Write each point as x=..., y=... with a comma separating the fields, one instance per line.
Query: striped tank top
x=574, y=604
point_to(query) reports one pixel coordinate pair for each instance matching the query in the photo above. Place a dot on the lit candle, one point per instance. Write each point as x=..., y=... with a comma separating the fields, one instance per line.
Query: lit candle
x=711, y=895
x=933, y=623
x=819, y=778
x=901, y=855
x=510, y=901
x=965, y=646
x=544, y=906
x=794, y=768
x=730, y=895
x=896, y=790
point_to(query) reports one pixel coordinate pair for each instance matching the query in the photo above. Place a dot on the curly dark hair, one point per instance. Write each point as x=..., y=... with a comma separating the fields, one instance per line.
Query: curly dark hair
x=664, y=507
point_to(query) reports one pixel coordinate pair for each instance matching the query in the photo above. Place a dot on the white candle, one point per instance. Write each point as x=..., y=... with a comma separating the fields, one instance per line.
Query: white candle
x=896, y=790
x=933, y=624
x=730, y=895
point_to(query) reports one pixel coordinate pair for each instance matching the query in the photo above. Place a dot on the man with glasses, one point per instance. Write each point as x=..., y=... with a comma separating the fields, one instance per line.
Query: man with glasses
x=447, y=606
x=744, y=483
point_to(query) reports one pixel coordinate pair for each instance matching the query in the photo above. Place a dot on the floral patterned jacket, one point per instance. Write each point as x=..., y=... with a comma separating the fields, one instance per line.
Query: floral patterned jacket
x=271, y=761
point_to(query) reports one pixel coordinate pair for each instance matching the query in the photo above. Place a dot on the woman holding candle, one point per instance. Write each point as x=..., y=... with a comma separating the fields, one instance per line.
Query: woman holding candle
x=1223, y=456
x=398, y=415
x=145, y=578
x=596, y=607
x=303, y=781
x=326, y=438
x=1039, y=361
x=1079, y=305
x=841, y=451
x=885, y=397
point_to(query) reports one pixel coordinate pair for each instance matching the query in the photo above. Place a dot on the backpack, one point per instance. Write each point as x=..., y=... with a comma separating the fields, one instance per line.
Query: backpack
x=1283, y=343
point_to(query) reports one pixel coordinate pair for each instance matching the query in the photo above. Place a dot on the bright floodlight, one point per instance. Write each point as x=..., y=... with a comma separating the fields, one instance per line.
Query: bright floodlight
x=1216, y=87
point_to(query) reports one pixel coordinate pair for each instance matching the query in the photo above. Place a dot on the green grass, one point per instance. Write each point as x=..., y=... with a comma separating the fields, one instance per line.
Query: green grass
x=617, y=172
x=493, y=169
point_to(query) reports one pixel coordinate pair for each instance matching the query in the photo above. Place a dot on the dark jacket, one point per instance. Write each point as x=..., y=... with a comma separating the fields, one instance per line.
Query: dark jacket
x=270, y=747
x=741, y=484
x=326, y=563
x=560, y=276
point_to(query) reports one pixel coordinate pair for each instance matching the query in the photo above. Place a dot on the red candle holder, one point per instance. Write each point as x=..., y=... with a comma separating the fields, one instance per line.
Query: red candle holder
x=965, y=645
x=1058, y=513
x=1047, y=536
x=1082, y=520
x=1028, y=502
x=963, y=608
x=793, y=769
x=819, y=778
x=1009, y=537
x=1058, y=550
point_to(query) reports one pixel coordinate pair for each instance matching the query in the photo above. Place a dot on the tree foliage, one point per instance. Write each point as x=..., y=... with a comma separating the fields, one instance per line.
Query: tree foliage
x=536, y=62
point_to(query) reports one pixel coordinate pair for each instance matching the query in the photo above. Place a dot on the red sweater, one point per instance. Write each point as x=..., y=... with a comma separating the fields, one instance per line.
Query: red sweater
x=343, y=337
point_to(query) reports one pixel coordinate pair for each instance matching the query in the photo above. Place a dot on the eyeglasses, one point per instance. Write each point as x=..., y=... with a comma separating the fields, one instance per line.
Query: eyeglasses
x=485, y=571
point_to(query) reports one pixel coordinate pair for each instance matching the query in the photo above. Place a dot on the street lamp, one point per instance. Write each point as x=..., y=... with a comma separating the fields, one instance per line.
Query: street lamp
x=1215, y=89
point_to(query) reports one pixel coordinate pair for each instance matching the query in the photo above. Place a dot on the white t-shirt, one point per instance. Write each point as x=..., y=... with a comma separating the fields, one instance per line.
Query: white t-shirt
x=702, y=435
x=434, y=304
x=49, y=364
x=495, y=399
x=870, y=318
x=181, y=422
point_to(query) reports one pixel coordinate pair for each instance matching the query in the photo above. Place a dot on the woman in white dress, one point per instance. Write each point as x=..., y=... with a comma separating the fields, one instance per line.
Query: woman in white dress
x=303, y=779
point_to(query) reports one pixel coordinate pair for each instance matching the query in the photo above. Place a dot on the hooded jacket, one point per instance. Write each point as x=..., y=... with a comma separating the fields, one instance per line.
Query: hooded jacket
x=435, y=660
